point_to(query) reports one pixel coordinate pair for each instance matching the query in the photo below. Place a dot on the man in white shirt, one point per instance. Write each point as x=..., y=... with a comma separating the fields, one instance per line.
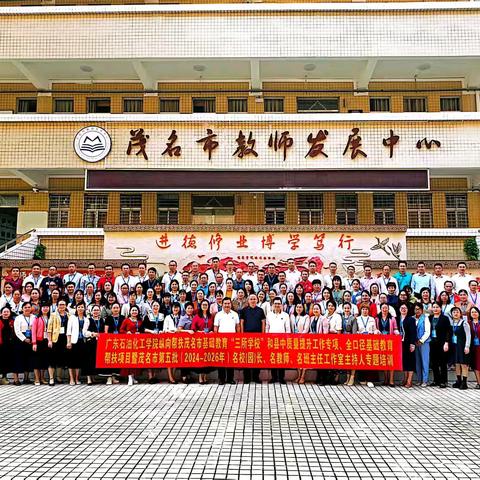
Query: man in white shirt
x=291, y=273
x=124, y=278
x=282, y=278
x=211, y=272
x=385, y=279
x=348, y=280
x=439, y=279
x=460, y=279
x=328, y=277
x=226, y=321
x=230, y=270
x=35, y=276
x=185, y=283
x=172, y=274
x=89, y=277
x=278, y=321
x=313, y=273
x=250, y=275
x=142, y=273
x=367, y=280
x=73, y=276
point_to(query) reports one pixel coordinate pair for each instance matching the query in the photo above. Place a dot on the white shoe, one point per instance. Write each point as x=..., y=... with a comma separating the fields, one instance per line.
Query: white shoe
x=114, y=380
x=424, y=385
x=130, y=380
x=109, y=381
x=135, y=381
x=370, y=385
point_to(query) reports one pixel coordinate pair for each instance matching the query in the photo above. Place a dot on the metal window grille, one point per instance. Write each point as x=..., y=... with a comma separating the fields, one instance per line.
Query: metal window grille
x=275, y=209
x=59, y=206
x=420, y=210
x=95, y=208
x=310, y=208
x=167, y=208
x=346, y=207
x=450, y=104
x=384, y=208
x=457, y=210
x=130, y=208
x=316, y=105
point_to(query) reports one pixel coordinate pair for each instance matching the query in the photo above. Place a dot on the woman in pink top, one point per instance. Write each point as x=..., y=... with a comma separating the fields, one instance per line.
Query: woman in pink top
x=385, y=324
x=40, y=344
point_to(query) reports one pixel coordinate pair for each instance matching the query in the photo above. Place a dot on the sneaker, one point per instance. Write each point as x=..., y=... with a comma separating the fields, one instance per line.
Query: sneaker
x=370, y=385
x=424, y=384
x=37, y=384
x=115, y=381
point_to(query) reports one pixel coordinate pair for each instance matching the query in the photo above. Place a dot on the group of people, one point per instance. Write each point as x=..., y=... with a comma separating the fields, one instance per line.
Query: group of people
x=52, y=322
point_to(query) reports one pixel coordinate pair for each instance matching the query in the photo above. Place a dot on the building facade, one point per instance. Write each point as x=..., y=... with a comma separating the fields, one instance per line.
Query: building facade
x=317, y=124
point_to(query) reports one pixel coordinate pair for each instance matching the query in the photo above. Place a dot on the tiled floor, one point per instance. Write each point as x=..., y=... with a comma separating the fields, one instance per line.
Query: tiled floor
x=238, y=432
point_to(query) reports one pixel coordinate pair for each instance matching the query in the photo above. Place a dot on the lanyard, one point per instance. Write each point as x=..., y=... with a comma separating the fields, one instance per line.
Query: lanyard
x=364, y=323
x=384, y=324
x=206, y=322
x=115, y=322
x=28, y=322
x=35, y=282
x=97, y=324
x=474, y=300
x=456, y=326
x=63, y=320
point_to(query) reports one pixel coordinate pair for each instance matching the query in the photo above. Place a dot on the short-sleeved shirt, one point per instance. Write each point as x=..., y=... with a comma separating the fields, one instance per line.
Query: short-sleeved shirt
x=252, y=319
x=226, y=322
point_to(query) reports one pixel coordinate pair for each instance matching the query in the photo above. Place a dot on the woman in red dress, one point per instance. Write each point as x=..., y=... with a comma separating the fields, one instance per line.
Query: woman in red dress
x=132, y=324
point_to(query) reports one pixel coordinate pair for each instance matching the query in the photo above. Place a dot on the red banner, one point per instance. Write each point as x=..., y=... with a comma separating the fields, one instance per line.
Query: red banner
x=250, y=350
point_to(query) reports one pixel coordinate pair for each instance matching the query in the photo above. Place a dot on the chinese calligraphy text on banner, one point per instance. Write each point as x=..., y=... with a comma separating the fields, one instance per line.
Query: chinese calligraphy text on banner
x=355, y=352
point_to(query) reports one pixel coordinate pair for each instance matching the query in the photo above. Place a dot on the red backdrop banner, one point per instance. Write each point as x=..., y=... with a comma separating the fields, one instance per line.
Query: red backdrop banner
x=250, y=350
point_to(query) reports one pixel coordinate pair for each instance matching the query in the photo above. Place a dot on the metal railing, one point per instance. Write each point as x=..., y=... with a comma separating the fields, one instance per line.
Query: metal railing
x=18, y=239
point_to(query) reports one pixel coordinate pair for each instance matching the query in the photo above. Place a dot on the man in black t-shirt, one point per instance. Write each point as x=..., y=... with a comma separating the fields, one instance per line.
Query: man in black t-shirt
x=252, y=320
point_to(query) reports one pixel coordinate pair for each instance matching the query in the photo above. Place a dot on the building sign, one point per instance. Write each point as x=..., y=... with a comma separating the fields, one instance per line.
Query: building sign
x=92, y=144
x=252, y=142
x=251, y=350
x=260, y=247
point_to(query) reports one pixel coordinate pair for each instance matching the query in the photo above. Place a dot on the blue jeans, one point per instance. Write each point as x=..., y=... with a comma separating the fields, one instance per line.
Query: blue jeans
x=422, y=360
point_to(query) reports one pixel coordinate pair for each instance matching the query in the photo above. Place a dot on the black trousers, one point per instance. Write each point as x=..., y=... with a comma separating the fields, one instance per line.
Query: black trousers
x=225, y=374
x=250, y=374
x=278, y=374
x=439, y=362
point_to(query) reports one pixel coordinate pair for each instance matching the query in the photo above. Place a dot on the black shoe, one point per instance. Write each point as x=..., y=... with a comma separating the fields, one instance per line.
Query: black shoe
x=260, y=382
x=463, y=385
x=17, y=383
x=232, y=382
x=173, y=382
x=221, y=382
x=456, y=384
x=152, y=381
x=272, y=381
x=27, y=381
x=443, y=385
x=433, y=384
x=283, y=382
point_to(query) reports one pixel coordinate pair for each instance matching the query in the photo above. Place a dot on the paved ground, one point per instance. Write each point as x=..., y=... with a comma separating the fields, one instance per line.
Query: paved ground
x=238, y=432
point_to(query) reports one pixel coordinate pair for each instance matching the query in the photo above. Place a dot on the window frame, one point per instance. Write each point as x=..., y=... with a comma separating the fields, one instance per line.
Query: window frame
x=62, y=211
x=98, y=99
x=318, y=100
x=27, y=99
x=96, y=211
x=310, y=212
x=129, y=210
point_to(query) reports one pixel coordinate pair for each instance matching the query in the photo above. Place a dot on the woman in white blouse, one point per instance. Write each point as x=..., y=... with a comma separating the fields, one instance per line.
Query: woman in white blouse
x=22, y=346
x=300, y=323
x=366, y=325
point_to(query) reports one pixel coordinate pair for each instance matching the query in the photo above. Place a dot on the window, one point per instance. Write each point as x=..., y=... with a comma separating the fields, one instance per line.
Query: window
x=384, y=208
x=133, y=105
x=450, y=104
x=169, y=105
x=98, y=105
x=95, y=208
x=213, y=205
x=237, y=105
x=346, y=206
x=310, y=208
x=203, y=105
x=63, y=105
x=167, y=208
x=379, y=104
x=457, y=210
x=58, y=208
x=419, y=210
x=275, y=206
x=27, y=105
x=130, y=208
x=415, y=104
x=315, y=105
x=273, y=105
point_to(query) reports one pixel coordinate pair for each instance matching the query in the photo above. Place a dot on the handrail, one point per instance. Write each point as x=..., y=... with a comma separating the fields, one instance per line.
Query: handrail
x=5, y=246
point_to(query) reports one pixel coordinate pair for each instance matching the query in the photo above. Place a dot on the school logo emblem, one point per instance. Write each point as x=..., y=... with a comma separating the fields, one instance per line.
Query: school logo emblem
x=92, y=144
